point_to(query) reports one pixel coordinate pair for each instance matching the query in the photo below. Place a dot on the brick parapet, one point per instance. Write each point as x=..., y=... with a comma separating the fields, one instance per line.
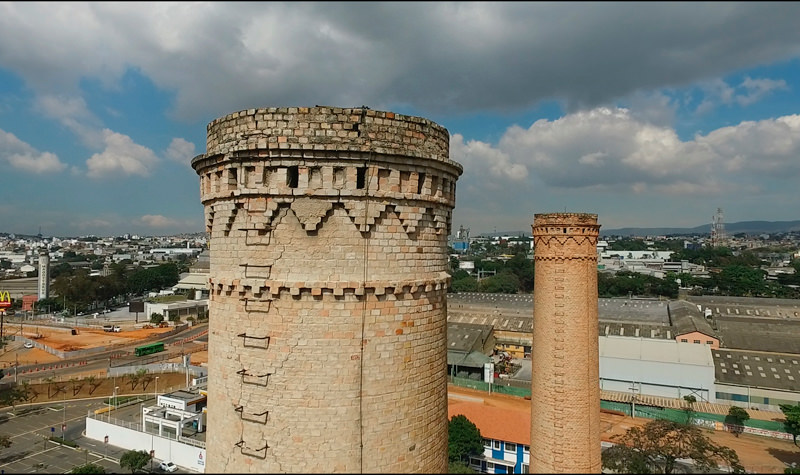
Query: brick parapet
x=328, y=129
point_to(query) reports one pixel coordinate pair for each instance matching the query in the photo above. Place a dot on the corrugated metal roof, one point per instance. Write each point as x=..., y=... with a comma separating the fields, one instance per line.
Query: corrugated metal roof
x=662, y=351
x=687, y=318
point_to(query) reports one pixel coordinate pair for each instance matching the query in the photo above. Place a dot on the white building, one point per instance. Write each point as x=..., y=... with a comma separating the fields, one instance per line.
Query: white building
x=169, y=432
x=663, y=368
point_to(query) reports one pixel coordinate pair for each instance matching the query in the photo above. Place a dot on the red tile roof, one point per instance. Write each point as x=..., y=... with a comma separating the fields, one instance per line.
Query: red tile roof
x=505, y=424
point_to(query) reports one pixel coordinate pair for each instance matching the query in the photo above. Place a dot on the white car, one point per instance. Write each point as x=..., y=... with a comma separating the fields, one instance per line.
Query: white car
x=28, y=344
x=168, y=466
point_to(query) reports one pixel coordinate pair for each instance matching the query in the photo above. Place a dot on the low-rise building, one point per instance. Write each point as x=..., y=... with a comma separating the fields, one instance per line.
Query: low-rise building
x=506, y=435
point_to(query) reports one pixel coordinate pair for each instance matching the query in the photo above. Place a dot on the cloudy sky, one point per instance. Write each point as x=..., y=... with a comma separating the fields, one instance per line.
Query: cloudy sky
x=647, y=114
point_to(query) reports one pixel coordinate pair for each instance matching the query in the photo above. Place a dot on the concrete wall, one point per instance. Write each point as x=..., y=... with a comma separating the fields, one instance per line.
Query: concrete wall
x=759, y=398
x=673, y=380
x=130, y=438
x=328, y=276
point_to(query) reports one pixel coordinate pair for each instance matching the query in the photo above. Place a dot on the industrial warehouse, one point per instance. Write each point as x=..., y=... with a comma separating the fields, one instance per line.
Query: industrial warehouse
x=745, y=352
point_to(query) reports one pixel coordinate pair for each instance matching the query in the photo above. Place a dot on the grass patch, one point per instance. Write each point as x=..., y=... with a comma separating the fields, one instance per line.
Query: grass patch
x=68, y=443
x=167, y=299
x=120, y=400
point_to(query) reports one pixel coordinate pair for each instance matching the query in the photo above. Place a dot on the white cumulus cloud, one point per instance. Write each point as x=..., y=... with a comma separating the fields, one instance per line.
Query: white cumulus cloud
x=121, y=156
x=23, y=156
x=608, y=148
x=180, y=150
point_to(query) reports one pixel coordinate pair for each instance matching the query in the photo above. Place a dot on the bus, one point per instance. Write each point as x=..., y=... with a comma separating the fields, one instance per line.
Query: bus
x=149, y=349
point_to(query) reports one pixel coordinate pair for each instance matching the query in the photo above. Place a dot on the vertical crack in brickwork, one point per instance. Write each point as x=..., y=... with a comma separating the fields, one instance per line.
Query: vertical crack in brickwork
x=363, y=320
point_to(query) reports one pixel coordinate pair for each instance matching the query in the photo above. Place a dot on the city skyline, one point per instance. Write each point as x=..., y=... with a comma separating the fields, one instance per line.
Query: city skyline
x=648, y=115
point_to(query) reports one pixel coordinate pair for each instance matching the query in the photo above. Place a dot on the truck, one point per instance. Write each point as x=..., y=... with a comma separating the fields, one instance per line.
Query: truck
x=112, y=328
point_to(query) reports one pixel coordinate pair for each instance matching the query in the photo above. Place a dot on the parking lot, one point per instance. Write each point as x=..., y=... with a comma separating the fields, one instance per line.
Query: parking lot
x=31, y=451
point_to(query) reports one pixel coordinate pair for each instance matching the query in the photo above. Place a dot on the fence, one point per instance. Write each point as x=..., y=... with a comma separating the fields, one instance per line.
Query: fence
x=704, y=419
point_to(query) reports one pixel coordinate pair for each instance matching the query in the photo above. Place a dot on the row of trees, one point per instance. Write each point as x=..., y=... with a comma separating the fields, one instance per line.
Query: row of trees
x=738, y=275
x=517, y=276
x=77, y=290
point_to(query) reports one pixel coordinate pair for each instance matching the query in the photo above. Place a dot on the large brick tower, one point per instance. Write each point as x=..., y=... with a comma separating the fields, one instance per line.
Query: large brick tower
x=565, y=388
x=328, y=279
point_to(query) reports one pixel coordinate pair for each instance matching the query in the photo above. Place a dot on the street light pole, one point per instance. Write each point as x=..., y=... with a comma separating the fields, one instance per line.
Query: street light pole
x=64, y=424
x=155, y=393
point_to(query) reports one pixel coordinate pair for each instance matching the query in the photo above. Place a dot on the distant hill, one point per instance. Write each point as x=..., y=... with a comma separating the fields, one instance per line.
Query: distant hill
x=747, y=227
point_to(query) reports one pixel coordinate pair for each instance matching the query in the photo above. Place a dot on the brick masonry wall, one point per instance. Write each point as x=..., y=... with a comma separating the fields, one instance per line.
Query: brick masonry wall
x=565, y=388
x=328, y=278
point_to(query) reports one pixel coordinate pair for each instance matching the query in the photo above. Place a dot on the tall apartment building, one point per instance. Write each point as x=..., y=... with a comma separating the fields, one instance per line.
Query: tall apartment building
x=328, y=278
x=44, y=275
x=565, y=386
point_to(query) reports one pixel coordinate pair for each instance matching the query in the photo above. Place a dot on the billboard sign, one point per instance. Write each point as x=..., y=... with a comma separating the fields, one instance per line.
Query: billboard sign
x=28, y=301
x=136, y=306
x=488, y=373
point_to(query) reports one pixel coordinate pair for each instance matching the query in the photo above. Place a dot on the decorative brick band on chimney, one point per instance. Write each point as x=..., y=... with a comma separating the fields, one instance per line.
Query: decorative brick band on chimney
x=328, y=280
x=565, y=387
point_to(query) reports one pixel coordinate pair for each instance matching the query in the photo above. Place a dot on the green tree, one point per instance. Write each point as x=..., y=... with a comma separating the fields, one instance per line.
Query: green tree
x=459, y=467
x=505, y=282
x=736, y=418
x=689, y=408
x=10, y=395
x=792, y=422
x=465, y=284
x=741, y=280
x=134, y=460
x=659, y=444
x=463, y=439
x=621, y=459
x=156, y=318
x=88, y=468
x=5, y=441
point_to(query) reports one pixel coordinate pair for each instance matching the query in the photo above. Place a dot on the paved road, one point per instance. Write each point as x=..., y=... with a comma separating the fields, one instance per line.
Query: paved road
x=29, y=428
x=101, y=360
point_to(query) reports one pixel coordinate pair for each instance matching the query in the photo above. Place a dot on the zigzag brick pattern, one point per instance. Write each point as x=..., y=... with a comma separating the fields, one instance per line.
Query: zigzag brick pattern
x=328, y=247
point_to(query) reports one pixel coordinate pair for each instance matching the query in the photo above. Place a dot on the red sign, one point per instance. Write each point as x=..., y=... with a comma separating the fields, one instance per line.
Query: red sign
x=5, y=299
x=28, y=301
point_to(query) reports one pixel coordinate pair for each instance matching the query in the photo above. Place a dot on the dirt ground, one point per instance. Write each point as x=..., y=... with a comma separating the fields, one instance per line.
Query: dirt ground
x=87, y=337
x=758, y=454
x=65, y=341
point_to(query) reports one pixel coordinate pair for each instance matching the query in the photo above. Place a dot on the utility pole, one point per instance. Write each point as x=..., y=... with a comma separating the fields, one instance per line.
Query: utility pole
x=633, y=398
x=2, y=337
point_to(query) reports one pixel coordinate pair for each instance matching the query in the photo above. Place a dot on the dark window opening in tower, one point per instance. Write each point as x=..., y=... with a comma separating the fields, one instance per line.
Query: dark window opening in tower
x=233, y=178
x=361, y=177
x=292, y=177
x=420, y=183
